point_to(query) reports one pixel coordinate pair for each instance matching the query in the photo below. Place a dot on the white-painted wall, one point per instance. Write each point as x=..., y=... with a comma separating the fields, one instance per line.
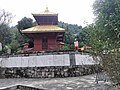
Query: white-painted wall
x=84, y=59
x=45, y=60
x=36, y=61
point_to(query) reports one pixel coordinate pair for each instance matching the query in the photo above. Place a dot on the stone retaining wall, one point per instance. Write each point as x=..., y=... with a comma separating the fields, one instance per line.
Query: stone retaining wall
x=47, y=72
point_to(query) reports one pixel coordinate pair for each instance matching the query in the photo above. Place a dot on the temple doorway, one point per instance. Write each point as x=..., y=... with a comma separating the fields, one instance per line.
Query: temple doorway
x=44, y=43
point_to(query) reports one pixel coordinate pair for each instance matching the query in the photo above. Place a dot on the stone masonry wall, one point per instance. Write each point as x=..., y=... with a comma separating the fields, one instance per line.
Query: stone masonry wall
x=47, y=72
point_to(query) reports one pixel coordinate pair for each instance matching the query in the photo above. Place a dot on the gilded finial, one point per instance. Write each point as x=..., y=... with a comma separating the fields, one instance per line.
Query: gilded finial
x=46, y=9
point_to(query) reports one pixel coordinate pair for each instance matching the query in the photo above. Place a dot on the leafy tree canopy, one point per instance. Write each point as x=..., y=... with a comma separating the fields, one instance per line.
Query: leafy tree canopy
x=5, y=19
x=25, y=23
x=105, y=36
x=108, y=20
x=71, y=32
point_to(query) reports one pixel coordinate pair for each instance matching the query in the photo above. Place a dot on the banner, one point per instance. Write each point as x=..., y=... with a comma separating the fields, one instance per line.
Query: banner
x=76, y=45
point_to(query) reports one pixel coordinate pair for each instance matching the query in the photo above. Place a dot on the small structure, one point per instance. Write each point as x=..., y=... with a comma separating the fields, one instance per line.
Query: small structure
x=46, y=35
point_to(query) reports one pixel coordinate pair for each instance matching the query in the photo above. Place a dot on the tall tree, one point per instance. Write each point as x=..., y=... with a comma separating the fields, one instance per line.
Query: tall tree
x=83, y=36
x=5, y=19
x=16, y=40
x=108, y=20
x=105, y=38
x=25, y=23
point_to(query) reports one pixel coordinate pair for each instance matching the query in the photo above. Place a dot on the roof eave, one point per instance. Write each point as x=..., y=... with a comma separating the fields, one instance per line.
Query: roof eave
x=45, y=14
x=40, y=32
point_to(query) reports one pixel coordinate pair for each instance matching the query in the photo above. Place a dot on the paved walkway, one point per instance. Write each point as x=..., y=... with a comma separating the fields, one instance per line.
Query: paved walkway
x=70, y=83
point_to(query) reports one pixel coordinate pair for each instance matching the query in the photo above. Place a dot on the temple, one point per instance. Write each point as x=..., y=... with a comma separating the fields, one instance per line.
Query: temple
x=46, y=35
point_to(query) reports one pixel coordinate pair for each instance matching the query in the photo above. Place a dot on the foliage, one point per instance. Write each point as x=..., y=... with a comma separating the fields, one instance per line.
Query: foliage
x=105, y=36
x=16, y=35
x=25, y=23
x=5, y=36
x=14, y=46
x=66, y=47
x=108, y=16
x=71, y=31
x=83, y=37
x=5, y=19
x=16, y=41
x=73, y=28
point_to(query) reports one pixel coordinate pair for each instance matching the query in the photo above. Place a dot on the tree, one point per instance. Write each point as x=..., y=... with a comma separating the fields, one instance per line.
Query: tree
x=5, y=19
x=70, y=34
x=69, y=40
x=83, y=37
x=105, y=36
x=73, y=28
x=107, y=19
x=16, y=40
x=25, y=23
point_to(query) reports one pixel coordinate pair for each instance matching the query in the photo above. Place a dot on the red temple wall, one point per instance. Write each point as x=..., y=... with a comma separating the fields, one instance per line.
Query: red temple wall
x=38, y=44
x=52, y=43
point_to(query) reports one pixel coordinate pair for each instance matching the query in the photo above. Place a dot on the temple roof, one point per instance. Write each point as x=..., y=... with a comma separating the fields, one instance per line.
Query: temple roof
x=45, y=13
x=43, y=28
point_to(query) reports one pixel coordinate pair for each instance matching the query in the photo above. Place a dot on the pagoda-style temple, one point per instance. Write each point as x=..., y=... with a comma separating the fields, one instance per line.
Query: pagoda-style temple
x=46, y=35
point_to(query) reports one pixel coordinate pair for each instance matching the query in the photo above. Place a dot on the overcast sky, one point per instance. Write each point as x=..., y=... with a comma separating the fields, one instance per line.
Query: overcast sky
x=70, y=11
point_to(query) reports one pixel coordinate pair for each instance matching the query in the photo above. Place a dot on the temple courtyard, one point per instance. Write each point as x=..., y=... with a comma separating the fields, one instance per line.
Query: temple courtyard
x=70, y=83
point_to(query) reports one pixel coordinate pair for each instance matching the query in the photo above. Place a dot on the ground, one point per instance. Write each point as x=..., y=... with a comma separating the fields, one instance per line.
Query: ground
x=70, y=83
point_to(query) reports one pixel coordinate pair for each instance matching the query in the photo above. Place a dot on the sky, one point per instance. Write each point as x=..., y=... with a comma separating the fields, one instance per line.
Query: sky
x=70, y=11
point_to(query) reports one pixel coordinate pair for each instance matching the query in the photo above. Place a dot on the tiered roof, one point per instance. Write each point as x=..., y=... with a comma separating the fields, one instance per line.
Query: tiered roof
x=44, y=28
x=45, y=13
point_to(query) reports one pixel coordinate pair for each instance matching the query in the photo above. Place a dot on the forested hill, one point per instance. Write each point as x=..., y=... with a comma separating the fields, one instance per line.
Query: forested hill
x=73, y=28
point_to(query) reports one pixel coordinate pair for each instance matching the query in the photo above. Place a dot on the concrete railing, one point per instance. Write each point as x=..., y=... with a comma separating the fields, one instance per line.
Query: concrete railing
x=47, y=60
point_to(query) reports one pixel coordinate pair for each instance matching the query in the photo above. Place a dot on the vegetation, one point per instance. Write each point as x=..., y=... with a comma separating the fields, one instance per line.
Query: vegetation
x=16, y=40
x=10, y=37
x=103, y=36
x=72, y=30
x=5, y=19
x=25, y=23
